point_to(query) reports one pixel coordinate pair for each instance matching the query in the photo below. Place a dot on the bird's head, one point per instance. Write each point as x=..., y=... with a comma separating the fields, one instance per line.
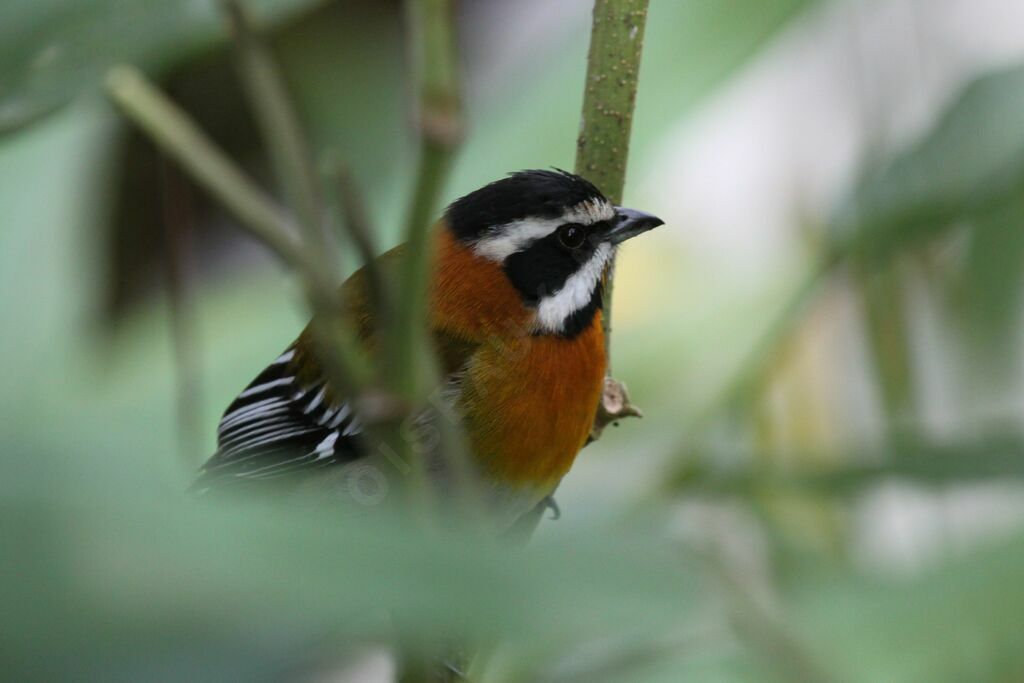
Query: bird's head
x=553, y=233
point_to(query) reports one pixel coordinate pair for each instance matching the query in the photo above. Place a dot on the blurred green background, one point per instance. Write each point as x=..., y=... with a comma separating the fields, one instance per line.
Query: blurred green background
x=826, y=342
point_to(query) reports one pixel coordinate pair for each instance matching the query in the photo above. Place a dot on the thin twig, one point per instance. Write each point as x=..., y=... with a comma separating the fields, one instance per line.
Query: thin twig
x=410, y=364
x=296, y=172
x=279, y=125
x=177, y=221
x=761, y=623
x=182, y=140
x=358, y=228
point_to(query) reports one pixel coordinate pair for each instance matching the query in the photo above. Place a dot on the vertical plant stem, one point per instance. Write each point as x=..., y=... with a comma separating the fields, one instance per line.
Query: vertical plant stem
x=286, y=143
x=613, y=67
x=177, y=220
x=885, y=324
x=439, y=124
x=438, y=121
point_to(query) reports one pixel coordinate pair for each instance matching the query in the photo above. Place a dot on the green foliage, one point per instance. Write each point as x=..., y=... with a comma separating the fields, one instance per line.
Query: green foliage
x=110, y=573
x=969, y=165
x=966, y=173
x=147, y=572
x=54, y=50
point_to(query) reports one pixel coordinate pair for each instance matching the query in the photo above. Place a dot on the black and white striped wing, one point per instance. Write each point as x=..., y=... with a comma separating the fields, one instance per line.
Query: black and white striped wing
x=279, y=427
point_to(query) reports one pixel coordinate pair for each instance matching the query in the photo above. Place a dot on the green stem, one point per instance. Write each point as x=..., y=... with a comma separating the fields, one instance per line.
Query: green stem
x=178, y=136
x=885, y=323
x=177, y=219
x=280, y=128
x=439, y=121
x=183, y=141
x=613, y=67
x=355, y=220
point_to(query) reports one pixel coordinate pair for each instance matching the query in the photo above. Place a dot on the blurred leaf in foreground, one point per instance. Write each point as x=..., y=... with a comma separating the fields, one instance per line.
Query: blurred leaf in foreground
x=959, y=623
x=54, y=50
x=98, y=582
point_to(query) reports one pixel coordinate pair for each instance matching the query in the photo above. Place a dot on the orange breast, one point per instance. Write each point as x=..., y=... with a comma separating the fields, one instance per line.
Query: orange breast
x=529, y=404
x=528, y=401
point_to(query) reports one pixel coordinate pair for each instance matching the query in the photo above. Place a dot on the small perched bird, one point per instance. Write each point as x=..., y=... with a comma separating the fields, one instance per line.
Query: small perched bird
x=515, y=315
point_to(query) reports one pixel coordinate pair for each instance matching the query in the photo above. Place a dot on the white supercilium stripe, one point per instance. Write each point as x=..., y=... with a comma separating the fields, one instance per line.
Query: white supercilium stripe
x=553, y=310
x=512, y=237
x=505, y=240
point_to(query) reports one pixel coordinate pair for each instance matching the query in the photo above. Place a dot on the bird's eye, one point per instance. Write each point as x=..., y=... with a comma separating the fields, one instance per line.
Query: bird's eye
x=571, y=235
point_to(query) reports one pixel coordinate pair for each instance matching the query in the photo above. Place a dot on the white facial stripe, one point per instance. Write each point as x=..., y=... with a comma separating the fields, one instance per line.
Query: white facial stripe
x=553, y=310
x=505, y=240
x=512, y=237
x=590, y=211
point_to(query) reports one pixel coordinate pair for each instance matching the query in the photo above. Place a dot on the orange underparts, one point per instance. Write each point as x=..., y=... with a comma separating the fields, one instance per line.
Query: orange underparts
x=528, y=400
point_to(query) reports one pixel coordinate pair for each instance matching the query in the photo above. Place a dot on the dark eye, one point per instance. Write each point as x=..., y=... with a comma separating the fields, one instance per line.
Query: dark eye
x=571, y=235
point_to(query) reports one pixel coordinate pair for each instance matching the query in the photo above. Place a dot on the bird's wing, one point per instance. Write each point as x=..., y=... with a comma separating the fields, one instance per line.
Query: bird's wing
x=281, y=425
x=289, y=420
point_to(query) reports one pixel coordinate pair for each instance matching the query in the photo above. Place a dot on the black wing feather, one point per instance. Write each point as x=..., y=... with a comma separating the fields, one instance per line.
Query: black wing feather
x=278, y=426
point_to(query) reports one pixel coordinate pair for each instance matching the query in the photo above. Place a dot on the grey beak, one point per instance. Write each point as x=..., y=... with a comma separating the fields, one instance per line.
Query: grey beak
x=630, y=223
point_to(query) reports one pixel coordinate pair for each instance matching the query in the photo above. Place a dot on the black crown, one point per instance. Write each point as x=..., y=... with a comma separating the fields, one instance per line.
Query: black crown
x=532, y=193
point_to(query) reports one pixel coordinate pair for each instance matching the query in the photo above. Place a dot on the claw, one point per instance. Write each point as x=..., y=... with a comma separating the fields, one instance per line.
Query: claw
x=550, y=504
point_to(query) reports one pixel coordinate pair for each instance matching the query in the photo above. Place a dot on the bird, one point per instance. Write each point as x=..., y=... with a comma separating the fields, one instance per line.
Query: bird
x=515, y=319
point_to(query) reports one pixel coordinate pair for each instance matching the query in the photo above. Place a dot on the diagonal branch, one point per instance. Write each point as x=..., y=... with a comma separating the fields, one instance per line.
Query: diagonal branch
x=178, y=136
x=280, y=128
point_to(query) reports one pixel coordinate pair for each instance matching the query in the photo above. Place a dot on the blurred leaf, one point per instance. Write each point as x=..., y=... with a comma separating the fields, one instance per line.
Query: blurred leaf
x=109, y=568
x=958, y=624
x=971, y=162
x=987, y=293
x=54, y=50
x=967, y=172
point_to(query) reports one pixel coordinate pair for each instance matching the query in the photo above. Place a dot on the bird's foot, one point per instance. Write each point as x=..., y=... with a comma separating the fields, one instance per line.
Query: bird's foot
x=550, y=504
